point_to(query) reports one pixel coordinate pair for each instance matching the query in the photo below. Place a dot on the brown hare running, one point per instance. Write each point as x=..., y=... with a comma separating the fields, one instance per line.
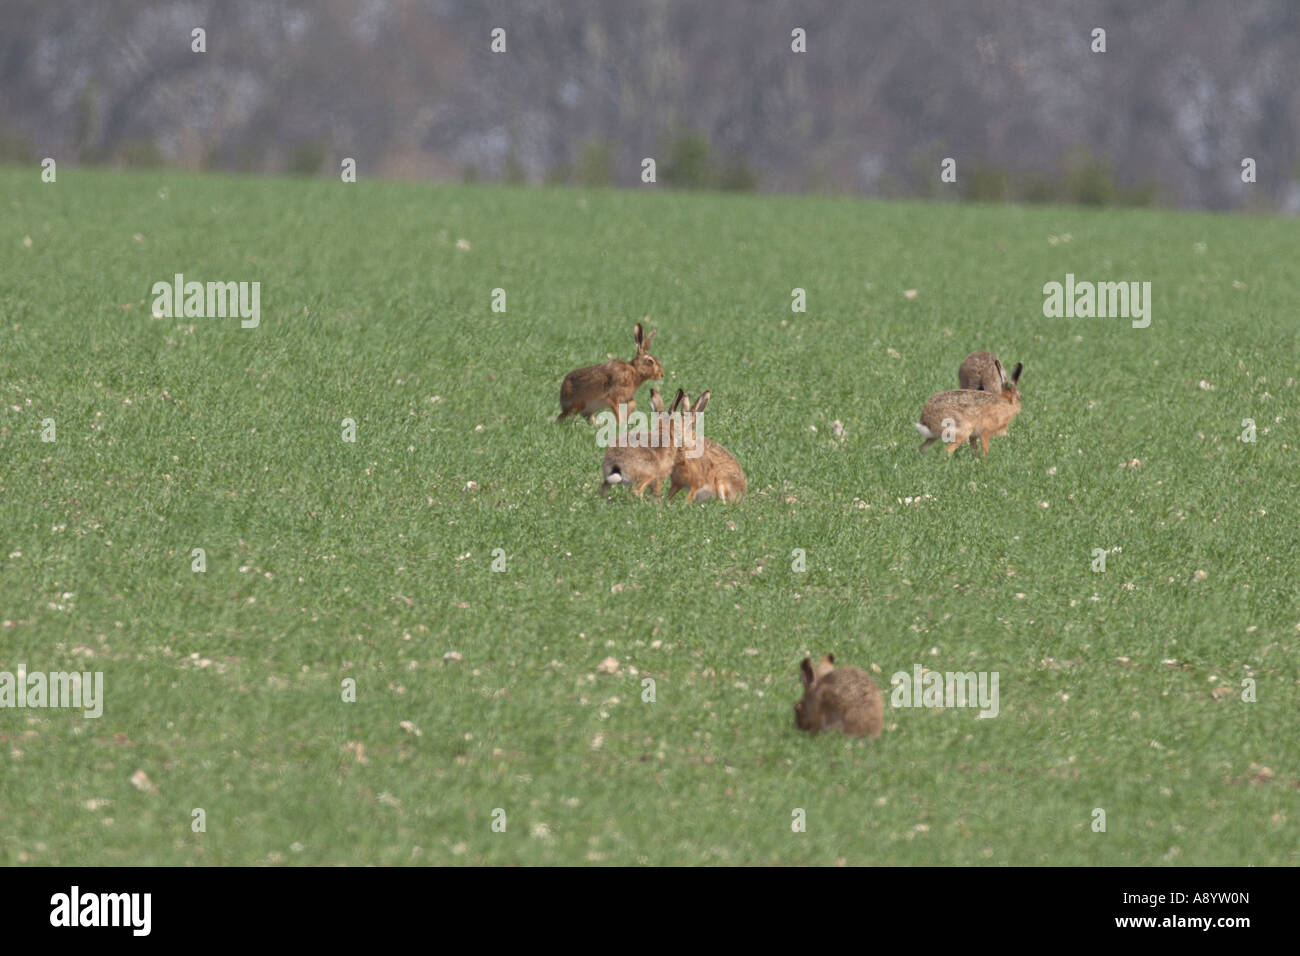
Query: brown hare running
x=960, y=414
x=650, y=459
x=983, y=372
x=844, y=698
x=708, y=471
x=587, y=390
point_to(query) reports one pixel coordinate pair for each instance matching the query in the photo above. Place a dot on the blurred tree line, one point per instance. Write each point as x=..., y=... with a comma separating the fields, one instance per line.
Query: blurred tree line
x=586, y=89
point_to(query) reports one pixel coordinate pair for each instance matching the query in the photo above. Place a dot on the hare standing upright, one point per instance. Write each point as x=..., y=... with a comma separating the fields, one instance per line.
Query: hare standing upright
x=587, y=390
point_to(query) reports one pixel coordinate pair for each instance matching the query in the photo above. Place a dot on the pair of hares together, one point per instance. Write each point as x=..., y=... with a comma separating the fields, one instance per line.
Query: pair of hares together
x=674, y=448
x=980, y=409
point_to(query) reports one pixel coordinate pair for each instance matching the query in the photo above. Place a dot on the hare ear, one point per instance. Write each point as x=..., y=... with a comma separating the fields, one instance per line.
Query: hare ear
x=805, y=669
x=649, y=338
x=638, y=334
x=681, y=396
x=830, y=659
x=1002, y=373
x=656, y=400
x=1015, y=373
x=700, y=403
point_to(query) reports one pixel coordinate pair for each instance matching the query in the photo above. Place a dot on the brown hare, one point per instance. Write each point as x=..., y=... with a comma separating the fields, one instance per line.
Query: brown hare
x=586, y=391
x=983, y=372
x=649, y=457
x=844, y=698
x=960, y=414
x=702, y=465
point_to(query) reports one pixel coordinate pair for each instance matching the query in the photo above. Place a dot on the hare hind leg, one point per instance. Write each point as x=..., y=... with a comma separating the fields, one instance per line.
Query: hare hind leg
x=958, y=440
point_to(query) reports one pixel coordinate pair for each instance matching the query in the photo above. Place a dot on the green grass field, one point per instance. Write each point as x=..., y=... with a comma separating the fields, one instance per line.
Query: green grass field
x=370, y=560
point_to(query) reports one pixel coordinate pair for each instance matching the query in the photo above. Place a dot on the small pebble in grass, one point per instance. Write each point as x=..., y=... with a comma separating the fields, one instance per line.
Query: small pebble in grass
x=471, y=486
x=1200, y=575
x=608, y=666
x=451, y=657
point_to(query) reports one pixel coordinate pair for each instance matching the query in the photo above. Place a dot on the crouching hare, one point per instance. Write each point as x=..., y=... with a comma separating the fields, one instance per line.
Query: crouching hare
x=843, y=698
x=650, y=459
x=707, y=470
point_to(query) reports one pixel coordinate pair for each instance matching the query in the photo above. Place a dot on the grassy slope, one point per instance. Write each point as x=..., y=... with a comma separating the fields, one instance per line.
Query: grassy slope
x=329, y=560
